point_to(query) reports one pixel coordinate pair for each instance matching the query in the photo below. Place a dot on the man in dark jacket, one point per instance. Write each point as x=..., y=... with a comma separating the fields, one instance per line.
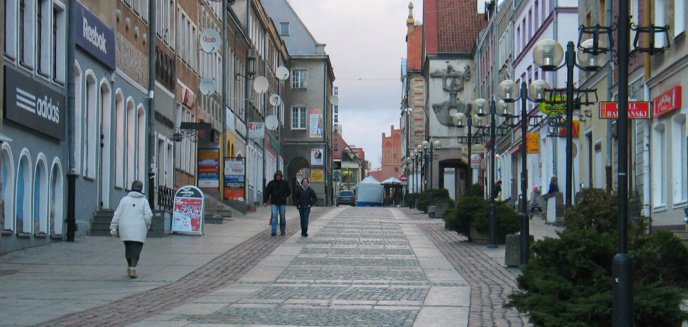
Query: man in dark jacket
x=304, y=198
x=277, y=193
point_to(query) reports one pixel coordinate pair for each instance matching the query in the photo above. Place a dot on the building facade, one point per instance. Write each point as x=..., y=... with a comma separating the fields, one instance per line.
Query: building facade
x=308, y=97
x=392, y=154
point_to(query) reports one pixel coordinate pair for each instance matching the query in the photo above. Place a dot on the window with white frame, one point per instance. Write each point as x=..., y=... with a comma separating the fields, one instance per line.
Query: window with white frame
x=10, y=45
x=299, y=79
x=119, y=139
x=679, y=17
x=91, y=138
x=298, y=117
x=141, y=143
x=26, y=32
x=43, y=31
x=78, y=116
x=678, y=159
x=131, y=142
x=658, y=172
x=165, y=21
x=660, y=6
x=59, y=42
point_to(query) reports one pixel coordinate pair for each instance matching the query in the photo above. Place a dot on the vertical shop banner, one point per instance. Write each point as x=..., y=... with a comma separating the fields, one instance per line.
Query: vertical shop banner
x=234, y=178
x=209, y=168
x=532, y=142
x=315, y=122
x=187, y=215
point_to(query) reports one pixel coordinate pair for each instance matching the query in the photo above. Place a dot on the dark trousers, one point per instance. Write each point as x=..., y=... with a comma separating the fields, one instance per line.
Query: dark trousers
x=304, y=213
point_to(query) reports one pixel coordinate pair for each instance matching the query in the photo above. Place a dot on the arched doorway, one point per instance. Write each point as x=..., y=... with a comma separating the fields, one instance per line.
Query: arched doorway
x=40, y=197
x=452, y=176
x=56, y=199
x=23, y=194
x=7, y=188
x=297, y=169
x=105, y=163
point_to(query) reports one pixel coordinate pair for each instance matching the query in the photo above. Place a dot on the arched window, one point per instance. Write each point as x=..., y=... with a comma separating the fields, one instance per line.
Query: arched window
x=56, y=199
x=119, y=139
x=105, y=138
x=141, y=144
x=7, y=188
x=40, y=197
x=78, y=116
x=23, y=194
x=91, y=138
x=131, y=143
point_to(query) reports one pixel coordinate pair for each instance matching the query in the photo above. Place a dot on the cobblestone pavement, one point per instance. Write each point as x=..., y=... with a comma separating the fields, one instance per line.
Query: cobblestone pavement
x=223, y=270
x=361, y=267
x=491, y=282
x=358, y=267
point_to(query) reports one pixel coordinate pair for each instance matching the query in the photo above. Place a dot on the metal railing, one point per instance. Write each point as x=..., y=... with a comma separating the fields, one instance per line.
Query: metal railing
x=165, y=198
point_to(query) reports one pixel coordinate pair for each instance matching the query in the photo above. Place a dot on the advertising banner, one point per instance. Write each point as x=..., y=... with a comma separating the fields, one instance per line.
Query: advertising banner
x=256, y=130
x=317, y=176
x=209, y=168
x=187, y=214
x=532, y=143
x=234, y=180
x=316, y=157
x=94, y=36
x=32, y=104
x=636, y=110
x=315, y=123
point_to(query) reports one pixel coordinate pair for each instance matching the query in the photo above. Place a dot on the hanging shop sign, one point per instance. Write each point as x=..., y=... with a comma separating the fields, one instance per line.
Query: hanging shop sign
x=666, y=102
x=94, y=36
x=636, y=110
x=34, y=105
x=234, y=178
x=256, y=130
x=187, y=215
x=209, y=168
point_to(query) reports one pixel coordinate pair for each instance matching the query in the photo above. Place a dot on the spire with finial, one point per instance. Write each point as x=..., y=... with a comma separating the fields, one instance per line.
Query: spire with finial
x=410, y=22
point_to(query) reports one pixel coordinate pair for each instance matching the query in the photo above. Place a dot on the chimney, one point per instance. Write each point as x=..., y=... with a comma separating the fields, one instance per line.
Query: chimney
x=320, y=48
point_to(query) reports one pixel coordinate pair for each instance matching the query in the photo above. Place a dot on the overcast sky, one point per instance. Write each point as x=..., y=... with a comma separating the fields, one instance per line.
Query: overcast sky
x=366, y=43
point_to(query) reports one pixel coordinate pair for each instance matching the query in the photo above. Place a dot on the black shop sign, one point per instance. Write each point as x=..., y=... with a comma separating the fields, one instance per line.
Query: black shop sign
x=34, y=105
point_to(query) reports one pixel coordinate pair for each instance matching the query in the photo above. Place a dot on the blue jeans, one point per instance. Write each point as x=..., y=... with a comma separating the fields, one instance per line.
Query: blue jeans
x=278, y=209
x=304, y=213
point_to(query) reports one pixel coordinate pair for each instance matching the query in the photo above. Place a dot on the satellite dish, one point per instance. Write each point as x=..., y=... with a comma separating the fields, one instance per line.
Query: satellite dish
x=207, y=86
x=261, y=84
x=282, y=73
x=271, y=122
x=275, y=100
x=335, y=100
x=210, y=40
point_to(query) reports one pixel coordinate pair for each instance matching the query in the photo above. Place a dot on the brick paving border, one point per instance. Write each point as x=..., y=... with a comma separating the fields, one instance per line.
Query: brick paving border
x=491, y=283
x=225, y=269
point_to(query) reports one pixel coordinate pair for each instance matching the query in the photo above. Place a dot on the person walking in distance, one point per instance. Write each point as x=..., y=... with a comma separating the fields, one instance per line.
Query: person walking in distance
x=497, y=190
x=277, y=193
x=304, y=198
x=553, y=187
x=131, y=222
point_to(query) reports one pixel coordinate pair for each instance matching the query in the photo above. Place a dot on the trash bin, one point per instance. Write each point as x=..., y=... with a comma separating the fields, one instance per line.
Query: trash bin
x=161, y=224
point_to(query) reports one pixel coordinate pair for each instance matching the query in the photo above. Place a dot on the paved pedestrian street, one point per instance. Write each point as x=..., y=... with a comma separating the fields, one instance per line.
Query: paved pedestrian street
x=358, y=267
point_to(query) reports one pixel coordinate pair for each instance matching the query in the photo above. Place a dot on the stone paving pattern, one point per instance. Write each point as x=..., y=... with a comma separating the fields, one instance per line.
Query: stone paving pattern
x=358, y=267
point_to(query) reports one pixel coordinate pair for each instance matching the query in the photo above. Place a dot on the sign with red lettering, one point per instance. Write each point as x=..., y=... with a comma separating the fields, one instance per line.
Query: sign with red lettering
x=636, y=110
x=666, y=102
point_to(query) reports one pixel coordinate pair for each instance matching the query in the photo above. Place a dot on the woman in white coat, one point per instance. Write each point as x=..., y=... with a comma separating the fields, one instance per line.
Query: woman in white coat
x=131, y=222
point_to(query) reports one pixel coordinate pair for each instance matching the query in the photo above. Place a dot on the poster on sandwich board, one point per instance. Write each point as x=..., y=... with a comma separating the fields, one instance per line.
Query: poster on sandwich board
x=187, y=215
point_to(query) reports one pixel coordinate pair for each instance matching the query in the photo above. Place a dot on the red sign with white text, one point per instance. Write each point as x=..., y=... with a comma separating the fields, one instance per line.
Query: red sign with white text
x=667, y=102
x=636, y=110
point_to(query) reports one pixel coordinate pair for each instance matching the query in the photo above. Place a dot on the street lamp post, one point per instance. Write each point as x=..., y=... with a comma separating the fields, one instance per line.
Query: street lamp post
x=547, y=55
x=481, y=105
x=507, y=91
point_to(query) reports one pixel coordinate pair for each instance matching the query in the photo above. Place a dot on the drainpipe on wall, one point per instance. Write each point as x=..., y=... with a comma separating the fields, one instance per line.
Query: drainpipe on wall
x=71, y=175
x=647, y=169
x=223, y=146
x=152, y=32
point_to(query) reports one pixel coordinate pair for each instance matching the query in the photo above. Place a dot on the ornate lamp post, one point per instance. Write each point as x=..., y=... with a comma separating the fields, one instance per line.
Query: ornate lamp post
x=481, y=105
x=507, y=91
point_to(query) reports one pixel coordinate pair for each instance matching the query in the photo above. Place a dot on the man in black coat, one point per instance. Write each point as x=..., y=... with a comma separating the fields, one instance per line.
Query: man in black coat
x=304, y=198
x=277, y=193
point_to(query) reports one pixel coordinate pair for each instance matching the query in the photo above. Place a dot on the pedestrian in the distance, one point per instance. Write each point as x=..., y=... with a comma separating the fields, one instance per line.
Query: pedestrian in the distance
x=553, y=187
x=497, y=190
x=131, y=223
x=304, y=198
x=277, y=193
